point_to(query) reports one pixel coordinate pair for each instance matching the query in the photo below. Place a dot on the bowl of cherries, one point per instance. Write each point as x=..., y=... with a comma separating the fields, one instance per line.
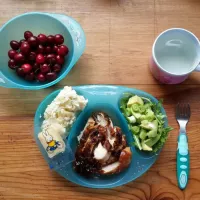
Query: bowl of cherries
x=38, y=50
x=38, y=58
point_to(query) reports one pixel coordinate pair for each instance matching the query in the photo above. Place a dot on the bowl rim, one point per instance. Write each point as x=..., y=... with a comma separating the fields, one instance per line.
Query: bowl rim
x=37, y=87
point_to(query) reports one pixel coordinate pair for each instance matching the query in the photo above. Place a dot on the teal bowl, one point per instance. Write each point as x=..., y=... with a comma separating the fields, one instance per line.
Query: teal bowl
x=37, y=23
x=100, y=98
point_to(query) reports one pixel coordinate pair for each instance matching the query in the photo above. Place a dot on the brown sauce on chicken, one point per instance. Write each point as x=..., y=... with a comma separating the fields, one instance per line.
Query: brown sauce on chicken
x=102, y=148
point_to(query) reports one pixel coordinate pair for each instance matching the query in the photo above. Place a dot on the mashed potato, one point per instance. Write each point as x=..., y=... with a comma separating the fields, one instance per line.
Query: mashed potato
x=63, y=109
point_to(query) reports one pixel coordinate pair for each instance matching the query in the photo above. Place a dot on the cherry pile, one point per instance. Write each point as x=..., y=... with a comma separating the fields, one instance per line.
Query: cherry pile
x=38, y=58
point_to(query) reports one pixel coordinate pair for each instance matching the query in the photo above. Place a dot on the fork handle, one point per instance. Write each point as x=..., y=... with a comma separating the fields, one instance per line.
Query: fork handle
x=183, y=161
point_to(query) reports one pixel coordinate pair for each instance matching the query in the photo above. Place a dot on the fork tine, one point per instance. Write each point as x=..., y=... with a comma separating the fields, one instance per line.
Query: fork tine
x=181, y=110
x=177, y=110
x=187, y=109
x=184, y=110
x=188, y=106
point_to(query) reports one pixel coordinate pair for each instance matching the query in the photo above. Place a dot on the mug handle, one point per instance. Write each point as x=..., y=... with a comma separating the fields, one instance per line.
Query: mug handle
x=4, y=82
x=197, y=69
x=77, y=34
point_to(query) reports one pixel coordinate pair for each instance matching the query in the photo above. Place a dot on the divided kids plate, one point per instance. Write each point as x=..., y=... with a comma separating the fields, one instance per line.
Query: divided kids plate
x=100, y=98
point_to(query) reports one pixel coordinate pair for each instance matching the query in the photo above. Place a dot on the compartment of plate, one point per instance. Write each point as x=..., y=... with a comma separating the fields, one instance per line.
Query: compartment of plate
x=61, y=159
x=144, y=154
x=78, y=126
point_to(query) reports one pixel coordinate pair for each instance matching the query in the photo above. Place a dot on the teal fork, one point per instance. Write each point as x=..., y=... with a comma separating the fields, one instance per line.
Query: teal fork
x=183, y=158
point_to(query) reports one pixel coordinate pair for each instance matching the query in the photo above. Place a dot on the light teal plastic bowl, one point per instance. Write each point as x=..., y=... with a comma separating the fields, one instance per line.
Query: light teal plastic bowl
x=38, y=22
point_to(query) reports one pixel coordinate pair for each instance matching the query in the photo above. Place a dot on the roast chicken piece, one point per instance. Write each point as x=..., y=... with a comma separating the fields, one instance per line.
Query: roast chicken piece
x=102, y=147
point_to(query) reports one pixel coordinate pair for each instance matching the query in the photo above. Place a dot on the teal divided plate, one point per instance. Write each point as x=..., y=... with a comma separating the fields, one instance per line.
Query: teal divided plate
x=100, y=98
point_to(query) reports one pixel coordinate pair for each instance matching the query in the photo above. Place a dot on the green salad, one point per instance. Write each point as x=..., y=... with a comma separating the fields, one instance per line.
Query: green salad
x=145, y=121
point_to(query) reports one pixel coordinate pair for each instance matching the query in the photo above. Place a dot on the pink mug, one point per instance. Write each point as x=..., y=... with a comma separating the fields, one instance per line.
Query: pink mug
x=175, y=54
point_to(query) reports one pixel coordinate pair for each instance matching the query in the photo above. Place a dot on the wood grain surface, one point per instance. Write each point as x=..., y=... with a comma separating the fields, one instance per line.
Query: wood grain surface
x=119, y=35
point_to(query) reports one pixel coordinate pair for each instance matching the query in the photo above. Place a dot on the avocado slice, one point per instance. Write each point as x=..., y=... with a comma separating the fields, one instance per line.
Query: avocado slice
x=136, y=115
x=152, y=133
x=151, y=141
x=149, y=125
x=143, y=134
x=150, y=115
x=135, y=100
x=146, y=147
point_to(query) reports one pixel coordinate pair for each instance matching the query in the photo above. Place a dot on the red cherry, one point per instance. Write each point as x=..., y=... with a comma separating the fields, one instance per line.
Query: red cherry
x=27, y=34
x=30, y=77
x=56, y=68
x=20, y=72
x=51, y=76
x=14, y=45
x=60, y=60
x=59, y=39
x=44, y=68
x=41, y=77
x=40, y=59
x=33, y=41
x=32, y=56
x=40, y=49
x=55, y=49
x=21, y=41
x=48, y=50
x=11, y=53
x=50, y=39
x=36, y=67
x=19, y=58
x=62, y=50
x=11, y=64
x=42, y=38
x=27, y=68
x=25, y=48
x=51, y=59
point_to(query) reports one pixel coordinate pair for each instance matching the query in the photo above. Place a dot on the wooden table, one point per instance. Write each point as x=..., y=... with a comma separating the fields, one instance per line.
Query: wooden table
x=119, y=35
